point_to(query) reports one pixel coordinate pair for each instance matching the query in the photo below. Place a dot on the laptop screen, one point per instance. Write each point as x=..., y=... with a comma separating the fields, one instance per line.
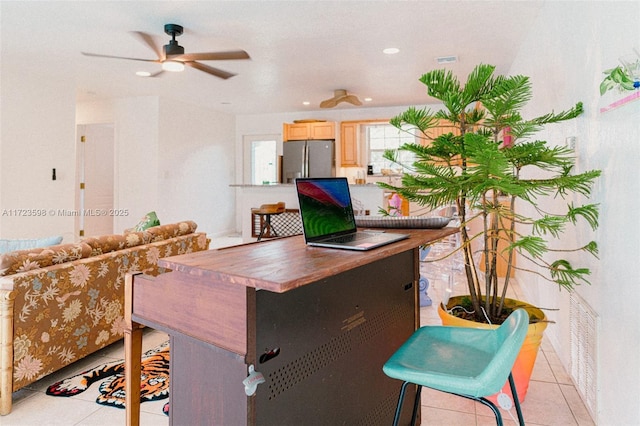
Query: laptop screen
x=325, y=207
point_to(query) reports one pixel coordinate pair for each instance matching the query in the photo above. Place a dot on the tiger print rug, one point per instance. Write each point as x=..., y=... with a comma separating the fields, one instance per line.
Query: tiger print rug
x=154, y=380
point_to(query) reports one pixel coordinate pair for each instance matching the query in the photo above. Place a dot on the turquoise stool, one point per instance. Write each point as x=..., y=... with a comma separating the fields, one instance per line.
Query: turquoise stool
x=470, y=362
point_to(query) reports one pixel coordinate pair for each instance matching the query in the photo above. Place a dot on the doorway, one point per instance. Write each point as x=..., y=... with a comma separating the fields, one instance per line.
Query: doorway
x=95, y=189
x=260, y=159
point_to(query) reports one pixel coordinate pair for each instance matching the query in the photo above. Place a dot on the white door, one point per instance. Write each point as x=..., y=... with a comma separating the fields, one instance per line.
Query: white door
x=95, y=177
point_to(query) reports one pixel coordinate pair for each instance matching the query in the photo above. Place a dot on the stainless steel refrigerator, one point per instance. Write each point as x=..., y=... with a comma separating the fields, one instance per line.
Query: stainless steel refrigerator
x=310, y=158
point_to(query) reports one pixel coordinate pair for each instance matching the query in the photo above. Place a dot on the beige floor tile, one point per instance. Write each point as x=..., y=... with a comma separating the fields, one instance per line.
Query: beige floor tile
x=546, y=405
x=435, y=399
x=542, y=370
x=43, y=410
x=561, y=375
x=440, y=417
x=576, y=405
x=108, y=416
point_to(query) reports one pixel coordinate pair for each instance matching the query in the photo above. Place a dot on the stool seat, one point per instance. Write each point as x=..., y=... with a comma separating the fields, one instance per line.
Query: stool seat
x=267, y=210
x=470, y=362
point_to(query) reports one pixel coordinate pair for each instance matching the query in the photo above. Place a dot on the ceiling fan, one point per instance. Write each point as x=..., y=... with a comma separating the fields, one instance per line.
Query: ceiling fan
x=340, y=95
x=173, y=58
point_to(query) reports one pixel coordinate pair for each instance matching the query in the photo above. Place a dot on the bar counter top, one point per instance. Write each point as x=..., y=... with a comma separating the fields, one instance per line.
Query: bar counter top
x=282, y=264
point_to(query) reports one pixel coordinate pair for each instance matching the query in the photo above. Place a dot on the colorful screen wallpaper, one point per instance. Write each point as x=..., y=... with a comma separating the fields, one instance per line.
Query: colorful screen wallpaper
x=325, y=206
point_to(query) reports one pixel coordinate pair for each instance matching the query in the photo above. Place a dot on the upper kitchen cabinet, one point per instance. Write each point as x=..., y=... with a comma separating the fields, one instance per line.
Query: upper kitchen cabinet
x=443, y=128
x=349, y=144
x=309, y=130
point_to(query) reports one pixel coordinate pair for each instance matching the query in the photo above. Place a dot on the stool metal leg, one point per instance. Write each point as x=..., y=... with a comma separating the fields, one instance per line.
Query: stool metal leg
x=266, y=224
x=416, y=404
x=263, y=227
x=403, y=389
x=516, y=400
x=272, y=232
x=493, y=407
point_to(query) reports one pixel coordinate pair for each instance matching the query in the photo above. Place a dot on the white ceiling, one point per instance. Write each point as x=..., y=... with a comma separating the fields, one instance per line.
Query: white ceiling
x=300, y=50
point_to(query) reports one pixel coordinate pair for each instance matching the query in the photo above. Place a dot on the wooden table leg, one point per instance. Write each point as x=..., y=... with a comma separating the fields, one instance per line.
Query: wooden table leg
x=132, y=356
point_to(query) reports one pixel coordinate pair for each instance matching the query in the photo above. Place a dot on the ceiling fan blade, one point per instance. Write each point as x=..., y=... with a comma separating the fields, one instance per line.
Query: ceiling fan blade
x=329, y=103
x=148, y=40
x=212, y=56
x=97, y=55
x=210, y=70
x=352, y=99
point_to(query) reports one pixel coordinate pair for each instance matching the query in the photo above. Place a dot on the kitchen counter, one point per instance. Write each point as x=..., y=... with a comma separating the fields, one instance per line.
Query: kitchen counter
x=365, y=197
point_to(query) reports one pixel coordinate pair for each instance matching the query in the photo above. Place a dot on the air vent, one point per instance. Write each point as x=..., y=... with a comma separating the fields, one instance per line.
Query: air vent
x=446, y=59
x=584, y=351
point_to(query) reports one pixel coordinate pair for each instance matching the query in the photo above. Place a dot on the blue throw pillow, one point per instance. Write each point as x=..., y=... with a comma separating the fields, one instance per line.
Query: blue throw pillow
x=12, y=245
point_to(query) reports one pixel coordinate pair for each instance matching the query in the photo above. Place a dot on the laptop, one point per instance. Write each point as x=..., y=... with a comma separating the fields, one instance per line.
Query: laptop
x=328, y=219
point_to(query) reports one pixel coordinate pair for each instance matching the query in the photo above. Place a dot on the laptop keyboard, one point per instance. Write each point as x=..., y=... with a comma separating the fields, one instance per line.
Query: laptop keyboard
x=351, y=238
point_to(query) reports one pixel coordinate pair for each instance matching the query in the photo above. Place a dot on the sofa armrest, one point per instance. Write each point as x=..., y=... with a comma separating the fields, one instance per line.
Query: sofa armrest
x=6, y=350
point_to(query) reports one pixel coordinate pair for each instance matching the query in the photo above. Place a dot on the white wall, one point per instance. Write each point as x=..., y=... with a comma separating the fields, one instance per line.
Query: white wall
x=565, y=53
x=137, y=149
x=171, y=157
x=196, y=167
x=37, y=135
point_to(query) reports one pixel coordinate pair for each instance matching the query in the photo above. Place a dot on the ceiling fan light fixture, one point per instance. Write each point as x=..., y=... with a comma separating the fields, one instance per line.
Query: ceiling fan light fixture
x=172, y=57
x=173, y=66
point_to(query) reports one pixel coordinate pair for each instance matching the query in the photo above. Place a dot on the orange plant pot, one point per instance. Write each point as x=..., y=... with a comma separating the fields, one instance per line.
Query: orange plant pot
x=523, y=366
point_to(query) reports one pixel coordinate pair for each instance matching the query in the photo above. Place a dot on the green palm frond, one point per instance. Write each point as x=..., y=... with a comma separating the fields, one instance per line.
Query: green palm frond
x=563, y=273
x=589, y=212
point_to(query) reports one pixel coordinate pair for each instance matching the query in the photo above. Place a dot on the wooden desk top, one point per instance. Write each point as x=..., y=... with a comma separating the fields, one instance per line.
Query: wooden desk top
x=282, y=264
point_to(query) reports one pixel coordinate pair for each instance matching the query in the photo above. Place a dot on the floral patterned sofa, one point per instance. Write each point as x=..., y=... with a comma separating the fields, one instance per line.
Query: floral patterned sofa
x=61, y=303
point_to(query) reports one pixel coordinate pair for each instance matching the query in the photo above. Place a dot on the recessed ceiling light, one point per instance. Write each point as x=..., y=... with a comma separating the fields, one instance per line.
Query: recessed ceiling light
x=143, y=73
x=368, y=99
x=391, y=50
x=306, y=103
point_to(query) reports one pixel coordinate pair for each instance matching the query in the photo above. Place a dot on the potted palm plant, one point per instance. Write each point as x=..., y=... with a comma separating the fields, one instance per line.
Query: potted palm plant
x=496, y=178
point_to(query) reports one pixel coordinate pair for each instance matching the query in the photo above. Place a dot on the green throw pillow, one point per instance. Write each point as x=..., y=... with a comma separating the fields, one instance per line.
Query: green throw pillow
x=149, y=220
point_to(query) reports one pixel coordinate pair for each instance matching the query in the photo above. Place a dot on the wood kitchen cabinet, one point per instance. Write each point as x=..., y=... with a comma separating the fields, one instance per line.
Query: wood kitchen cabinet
x=352, y=142
x=443, y=128
x=349, y=144
x=306, y=131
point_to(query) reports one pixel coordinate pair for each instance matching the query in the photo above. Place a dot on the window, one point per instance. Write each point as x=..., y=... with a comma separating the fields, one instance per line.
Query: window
x=263, y=162
x=383, y=136
x=259, y=159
